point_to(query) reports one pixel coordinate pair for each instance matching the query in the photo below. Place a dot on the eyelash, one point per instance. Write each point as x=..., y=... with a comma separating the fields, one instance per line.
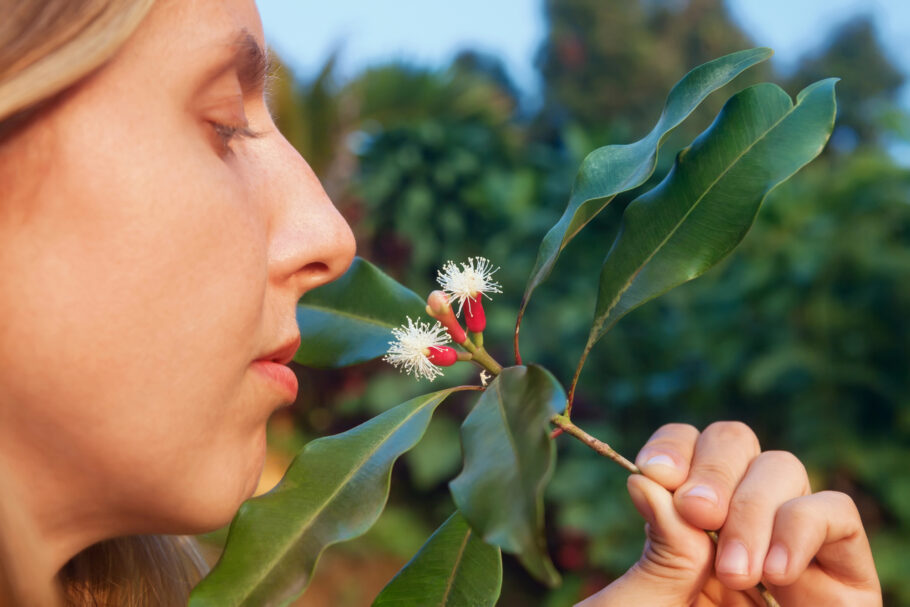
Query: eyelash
x=227, y=133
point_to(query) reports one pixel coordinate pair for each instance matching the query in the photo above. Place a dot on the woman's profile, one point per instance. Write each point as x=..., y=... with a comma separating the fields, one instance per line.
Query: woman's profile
x=156, y=232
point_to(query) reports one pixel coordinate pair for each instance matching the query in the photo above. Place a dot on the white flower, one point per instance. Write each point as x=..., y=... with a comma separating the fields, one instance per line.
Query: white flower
x=464, y=283
x=411, y=346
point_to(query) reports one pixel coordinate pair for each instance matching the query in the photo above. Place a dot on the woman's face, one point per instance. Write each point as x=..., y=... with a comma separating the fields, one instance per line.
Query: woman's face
x=146, y=262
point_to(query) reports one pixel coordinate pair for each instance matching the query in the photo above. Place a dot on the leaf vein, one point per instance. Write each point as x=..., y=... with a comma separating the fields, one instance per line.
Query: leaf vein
x=451, y=581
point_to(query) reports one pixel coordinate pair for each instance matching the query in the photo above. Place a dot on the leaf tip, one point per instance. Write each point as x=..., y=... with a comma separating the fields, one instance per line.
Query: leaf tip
x=755, y=55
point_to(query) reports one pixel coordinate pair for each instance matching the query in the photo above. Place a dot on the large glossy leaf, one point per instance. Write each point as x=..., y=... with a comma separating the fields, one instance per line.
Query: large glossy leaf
x=454, y=568
x=708, y=202
x=508, y=460
x=350, y=320
x=613, y=169
x=334, y=490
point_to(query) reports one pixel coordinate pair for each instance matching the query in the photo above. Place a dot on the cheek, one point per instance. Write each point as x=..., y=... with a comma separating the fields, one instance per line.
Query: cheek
x=133, y=300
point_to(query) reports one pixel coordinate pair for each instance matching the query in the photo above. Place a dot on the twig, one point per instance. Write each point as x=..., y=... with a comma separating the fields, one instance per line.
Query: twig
x=521, y=313
x=566, y=425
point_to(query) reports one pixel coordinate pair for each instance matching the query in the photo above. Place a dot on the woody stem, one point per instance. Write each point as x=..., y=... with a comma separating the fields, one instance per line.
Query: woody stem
x=563, y=422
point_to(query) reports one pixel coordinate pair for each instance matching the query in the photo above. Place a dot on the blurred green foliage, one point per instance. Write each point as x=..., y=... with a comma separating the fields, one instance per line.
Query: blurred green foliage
x=803, y=334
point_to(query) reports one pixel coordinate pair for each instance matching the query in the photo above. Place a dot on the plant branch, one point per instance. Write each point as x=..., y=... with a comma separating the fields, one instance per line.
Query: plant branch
x=563, y=422
x=521, y=313
x=467, y=388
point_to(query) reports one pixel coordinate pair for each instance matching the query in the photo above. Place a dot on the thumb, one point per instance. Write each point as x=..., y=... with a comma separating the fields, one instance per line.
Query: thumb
x=677, y=557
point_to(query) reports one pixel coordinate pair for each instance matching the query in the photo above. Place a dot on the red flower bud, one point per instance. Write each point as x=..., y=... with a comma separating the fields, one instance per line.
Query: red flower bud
x=474, y=315
x=442, y=356
x=439, y=308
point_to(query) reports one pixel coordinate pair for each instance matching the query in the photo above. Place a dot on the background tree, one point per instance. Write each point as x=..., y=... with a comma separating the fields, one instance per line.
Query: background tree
x=870, y=81
x=607, y=64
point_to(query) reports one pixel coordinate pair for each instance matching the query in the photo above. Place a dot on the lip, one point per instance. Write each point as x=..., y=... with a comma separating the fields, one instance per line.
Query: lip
x=284, y=354
x=280, y=376
x=274, y=368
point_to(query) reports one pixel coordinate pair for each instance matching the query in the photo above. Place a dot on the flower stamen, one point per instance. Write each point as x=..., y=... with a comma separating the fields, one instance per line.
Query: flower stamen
x=469, y=282
x=413, y=346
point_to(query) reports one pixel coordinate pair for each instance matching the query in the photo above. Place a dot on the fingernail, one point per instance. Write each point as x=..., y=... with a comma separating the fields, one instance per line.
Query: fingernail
x=661, y=460
x=702, y=491
x=641, y=501
x=776, y=561
x=734, y=560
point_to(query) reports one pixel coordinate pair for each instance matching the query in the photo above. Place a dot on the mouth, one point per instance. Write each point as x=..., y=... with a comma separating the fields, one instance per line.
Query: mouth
x=273, y=367
x=284, y=354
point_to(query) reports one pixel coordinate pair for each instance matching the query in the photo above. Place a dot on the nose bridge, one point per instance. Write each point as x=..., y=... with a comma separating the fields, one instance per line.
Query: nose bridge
x=310, y=242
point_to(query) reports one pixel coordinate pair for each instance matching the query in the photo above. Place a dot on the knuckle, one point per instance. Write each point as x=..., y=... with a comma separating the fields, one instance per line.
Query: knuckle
x=734, y=431
x=675, y=433
x=677, y=429
x=841, y=502
x=784, y=461
x=799, y=512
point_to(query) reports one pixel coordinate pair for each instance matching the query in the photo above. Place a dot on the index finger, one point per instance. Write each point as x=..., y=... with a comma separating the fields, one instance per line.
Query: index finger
x=666, y=456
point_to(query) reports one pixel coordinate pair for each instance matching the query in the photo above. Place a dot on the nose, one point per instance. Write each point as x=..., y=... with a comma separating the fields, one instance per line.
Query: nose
x=310, y=242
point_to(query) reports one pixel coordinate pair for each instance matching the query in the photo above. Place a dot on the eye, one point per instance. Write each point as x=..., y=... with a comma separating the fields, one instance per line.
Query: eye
x=227, y=133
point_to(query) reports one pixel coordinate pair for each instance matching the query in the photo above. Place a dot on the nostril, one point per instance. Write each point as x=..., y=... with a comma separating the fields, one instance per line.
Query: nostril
x=316, y=268
x=314, y=274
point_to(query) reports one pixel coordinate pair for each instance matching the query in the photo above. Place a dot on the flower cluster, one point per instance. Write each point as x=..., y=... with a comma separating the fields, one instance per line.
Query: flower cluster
x=466, y=285
x=419, y=347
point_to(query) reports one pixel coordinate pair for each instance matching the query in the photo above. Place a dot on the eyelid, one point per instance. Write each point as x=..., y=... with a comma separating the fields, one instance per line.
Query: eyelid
x=238, y=131
x=227, y=134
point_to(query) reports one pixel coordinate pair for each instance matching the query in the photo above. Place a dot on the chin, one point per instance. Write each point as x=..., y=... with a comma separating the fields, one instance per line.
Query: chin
x=224, y=492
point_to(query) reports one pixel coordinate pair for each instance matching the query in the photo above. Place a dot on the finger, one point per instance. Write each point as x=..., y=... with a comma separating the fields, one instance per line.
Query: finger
x=666, y=456
x=722, y=455
x=676, y=560
x=772, y=479
x=824, y=526
x=677, y=557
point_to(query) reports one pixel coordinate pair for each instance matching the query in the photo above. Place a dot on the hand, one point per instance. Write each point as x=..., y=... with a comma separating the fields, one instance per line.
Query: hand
x=808, y=549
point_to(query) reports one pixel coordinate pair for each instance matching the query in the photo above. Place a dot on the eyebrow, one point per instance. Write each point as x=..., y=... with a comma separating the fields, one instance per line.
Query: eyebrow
x=251, y=62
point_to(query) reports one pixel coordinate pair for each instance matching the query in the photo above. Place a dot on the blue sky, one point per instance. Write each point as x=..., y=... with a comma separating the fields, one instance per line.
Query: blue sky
x=431, y=32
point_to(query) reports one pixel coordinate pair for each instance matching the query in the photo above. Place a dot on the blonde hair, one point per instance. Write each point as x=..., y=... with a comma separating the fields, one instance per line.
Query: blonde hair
x=47, y=47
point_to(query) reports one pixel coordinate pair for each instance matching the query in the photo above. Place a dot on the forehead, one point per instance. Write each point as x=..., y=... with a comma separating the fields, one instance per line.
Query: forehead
x=181, y=33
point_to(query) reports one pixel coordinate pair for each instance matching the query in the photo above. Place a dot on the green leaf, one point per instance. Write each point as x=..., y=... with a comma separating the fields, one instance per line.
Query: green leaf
x=508, y=460
x=350, y=320
x=334, y=491
x=453, y=568
x=613, y=169
x=705, y=206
